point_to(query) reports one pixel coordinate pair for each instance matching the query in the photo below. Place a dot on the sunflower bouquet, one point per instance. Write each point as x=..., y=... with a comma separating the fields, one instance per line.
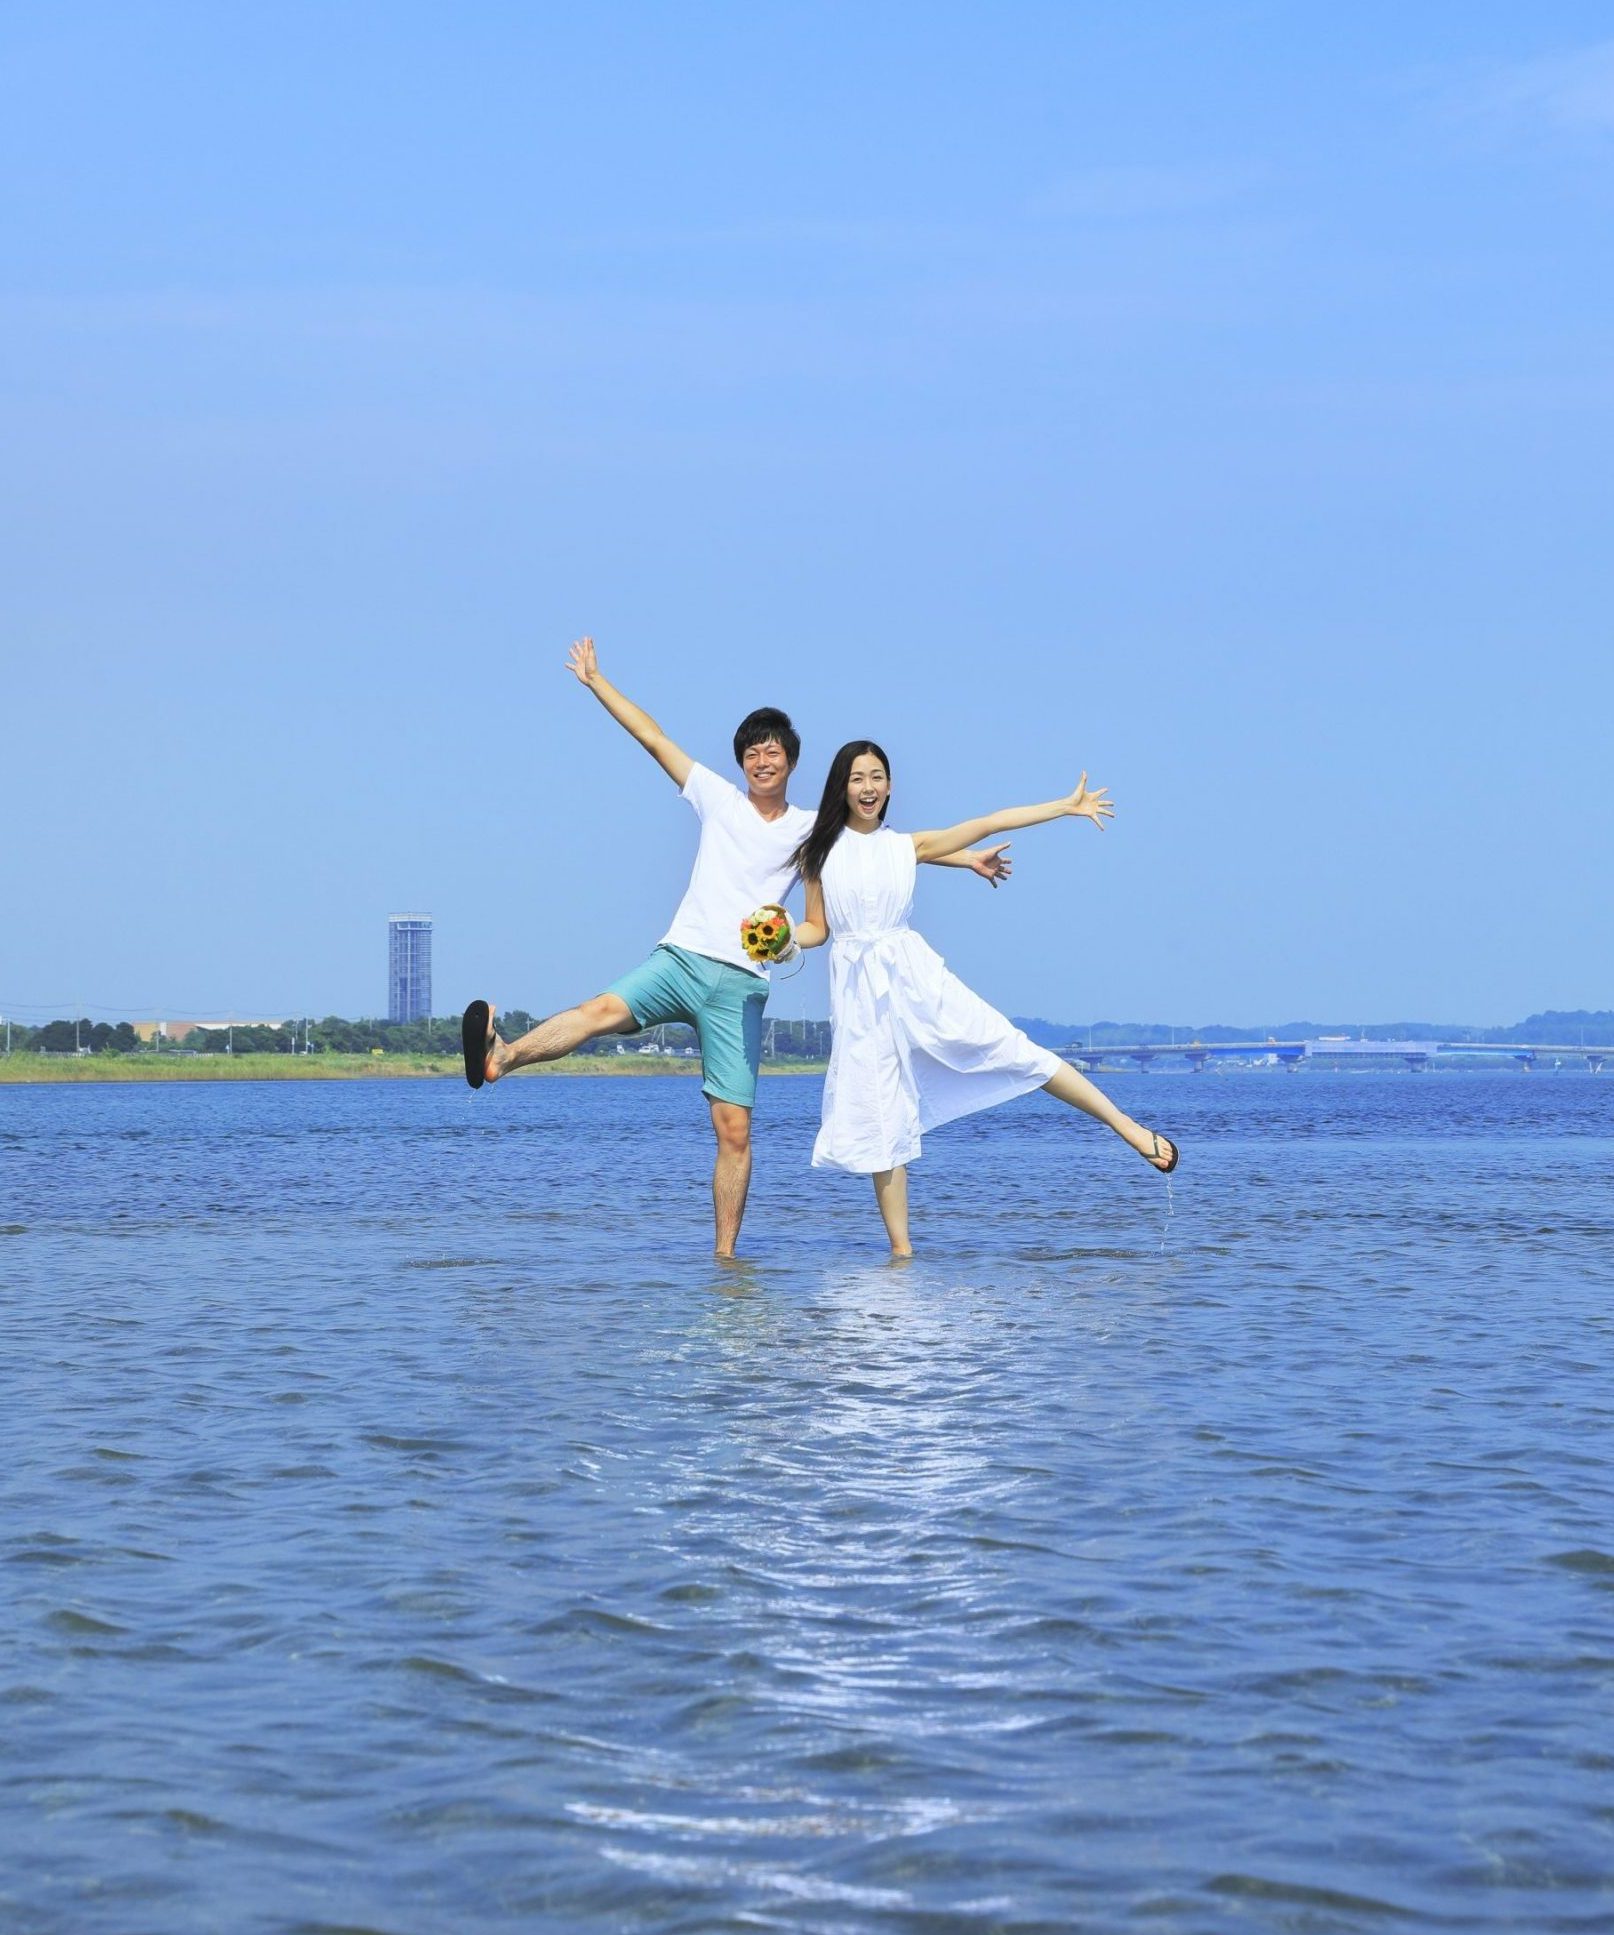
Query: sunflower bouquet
x=765, y=935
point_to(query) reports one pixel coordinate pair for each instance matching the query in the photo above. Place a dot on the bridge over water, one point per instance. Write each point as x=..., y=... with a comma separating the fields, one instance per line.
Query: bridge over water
x=1292, y=1054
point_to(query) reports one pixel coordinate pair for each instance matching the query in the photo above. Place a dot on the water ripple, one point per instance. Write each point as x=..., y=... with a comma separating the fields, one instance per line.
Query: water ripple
x=374, y=1566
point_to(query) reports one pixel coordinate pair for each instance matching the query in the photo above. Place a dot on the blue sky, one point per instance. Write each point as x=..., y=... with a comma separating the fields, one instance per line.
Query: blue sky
x=1215, y=397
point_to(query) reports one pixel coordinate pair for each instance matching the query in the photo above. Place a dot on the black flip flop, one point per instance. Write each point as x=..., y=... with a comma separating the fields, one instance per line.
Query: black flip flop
x=1156, y=1138
x=476, y=1037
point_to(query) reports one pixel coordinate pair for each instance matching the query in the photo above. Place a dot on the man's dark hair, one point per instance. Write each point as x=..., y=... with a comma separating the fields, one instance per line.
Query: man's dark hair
x=766, y=723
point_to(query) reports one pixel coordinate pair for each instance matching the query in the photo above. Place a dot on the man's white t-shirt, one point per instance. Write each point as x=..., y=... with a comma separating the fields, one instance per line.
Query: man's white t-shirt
x=742, y=863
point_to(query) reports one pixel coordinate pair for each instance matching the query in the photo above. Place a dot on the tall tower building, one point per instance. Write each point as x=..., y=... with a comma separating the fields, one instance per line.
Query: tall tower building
x=409, y=967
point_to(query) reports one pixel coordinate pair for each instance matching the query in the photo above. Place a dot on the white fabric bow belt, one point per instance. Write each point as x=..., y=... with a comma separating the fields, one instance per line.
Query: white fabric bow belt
x=866, y=936
x=863, y=955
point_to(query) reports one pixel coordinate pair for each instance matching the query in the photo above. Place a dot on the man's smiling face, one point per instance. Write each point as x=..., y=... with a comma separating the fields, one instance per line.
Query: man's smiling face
x=767, y=769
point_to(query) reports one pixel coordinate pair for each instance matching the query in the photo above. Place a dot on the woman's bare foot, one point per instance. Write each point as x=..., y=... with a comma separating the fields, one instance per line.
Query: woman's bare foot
x=1155, y=1151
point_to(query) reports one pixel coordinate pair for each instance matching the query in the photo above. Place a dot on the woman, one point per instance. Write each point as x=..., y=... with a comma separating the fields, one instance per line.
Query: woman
x=913, y=1046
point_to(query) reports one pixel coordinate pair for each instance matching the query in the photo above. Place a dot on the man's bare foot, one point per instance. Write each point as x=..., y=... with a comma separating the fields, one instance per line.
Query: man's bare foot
x=494, y=1052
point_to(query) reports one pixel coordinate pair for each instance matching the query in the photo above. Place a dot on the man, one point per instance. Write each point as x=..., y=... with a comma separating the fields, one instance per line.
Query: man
x=698, y=972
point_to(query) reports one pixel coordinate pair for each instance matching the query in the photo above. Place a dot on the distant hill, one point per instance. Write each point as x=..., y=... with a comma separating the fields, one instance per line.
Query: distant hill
x=1595, y=1026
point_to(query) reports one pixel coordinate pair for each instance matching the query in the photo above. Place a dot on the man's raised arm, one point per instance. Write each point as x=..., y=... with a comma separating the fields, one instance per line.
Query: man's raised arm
x=672, y=760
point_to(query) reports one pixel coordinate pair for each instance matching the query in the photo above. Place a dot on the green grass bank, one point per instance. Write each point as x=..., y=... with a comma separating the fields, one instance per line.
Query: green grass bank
x=330, y=1068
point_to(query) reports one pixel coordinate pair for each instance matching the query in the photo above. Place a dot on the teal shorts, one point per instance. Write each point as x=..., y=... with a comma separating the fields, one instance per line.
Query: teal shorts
x=722, y=1003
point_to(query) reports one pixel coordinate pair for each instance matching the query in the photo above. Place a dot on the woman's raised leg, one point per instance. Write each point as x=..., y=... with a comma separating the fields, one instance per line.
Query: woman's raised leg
x=891, y=1193
x=1071, y=1086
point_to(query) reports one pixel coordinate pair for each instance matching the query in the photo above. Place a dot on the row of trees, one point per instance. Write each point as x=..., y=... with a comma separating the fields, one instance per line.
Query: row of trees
x=68, y=1037
x=784, y=1040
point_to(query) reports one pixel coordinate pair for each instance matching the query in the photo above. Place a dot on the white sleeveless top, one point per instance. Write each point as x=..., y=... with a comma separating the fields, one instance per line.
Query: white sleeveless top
x=913, y=1046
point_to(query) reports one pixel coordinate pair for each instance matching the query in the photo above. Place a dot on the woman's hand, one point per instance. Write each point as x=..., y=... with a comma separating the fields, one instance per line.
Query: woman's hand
x=1094, y=804
x=582, y=661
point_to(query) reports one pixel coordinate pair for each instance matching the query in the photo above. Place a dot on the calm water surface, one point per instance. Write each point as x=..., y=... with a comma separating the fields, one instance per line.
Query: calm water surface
x=408, y=1528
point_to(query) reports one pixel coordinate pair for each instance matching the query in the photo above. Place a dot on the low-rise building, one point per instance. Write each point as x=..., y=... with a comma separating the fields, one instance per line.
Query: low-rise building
x=176, y=1031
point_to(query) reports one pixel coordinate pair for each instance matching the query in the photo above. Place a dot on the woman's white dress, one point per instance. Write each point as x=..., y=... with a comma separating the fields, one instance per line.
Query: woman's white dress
x=913, y=1047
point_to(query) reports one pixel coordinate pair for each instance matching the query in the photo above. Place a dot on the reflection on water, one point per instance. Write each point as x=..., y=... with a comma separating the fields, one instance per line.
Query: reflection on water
x=376, y=1562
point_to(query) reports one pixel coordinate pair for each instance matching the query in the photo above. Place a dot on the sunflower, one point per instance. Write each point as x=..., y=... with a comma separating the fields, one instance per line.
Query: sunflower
x=765, y=934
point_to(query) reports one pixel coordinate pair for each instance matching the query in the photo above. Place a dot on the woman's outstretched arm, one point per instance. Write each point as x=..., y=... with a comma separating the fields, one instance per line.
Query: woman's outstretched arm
x=1083, y=804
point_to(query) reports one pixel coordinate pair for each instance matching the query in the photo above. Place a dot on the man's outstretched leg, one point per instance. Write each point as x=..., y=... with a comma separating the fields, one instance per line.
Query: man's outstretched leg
x=731, y=1174
x=606, y=1014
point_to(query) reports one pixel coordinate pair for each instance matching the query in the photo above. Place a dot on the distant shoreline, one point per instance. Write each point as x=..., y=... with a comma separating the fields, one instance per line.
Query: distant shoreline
x=20, y=1070
x=331, y=1068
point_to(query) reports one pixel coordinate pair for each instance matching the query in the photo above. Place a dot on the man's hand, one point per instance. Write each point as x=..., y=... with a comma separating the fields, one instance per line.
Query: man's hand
x=1091, y=805
x=990, y=864
x=582, y=661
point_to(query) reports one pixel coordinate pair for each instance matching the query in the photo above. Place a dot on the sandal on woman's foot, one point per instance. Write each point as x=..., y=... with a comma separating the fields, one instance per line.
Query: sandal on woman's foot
x=476, y=1040
x=1153, y=1159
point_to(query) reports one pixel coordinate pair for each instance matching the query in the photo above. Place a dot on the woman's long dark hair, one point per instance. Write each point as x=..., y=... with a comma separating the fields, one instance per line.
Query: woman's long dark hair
x=809, y=857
